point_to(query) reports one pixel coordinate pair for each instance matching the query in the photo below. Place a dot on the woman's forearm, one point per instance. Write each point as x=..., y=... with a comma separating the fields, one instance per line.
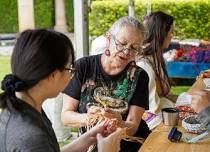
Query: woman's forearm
x=80, y=144
x=133, y=119
x=131, y=128
x=74, y=119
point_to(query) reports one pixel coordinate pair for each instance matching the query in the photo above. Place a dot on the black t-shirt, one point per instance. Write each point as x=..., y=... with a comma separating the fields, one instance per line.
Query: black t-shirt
x=90, y=68
x=26, y=131
x=91, y=85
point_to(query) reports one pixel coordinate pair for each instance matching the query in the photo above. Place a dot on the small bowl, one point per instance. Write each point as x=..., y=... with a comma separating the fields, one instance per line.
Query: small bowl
x=192, y=125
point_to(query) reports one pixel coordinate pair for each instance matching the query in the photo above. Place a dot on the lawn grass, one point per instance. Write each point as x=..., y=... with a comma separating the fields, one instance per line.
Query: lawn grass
x=4, y=67
x=73, y=131
x=63, y=143
x=179, y=89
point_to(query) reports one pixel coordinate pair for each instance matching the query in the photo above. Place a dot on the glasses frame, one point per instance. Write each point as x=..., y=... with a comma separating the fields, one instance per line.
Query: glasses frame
x=122, y=47
x=71, y=70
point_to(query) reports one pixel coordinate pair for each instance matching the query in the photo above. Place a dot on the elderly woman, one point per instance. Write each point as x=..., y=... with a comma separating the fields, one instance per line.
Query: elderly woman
x=158, y=38
x=41, y=59
x=113, y=82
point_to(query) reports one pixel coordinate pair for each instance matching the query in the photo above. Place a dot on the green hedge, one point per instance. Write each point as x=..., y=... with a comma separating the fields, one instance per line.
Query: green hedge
x=44, y=15
x=192, y=17
x=103, y=14
x=69, y=14
x=8, y=16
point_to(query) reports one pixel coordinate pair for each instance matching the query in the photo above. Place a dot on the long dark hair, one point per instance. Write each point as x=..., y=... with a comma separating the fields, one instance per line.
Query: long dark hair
x=158, y=25
x=37, y=53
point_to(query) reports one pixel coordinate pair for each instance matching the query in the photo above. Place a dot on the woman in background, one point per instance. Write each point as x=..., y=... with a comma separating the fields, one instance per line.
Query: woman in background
x=159, y=34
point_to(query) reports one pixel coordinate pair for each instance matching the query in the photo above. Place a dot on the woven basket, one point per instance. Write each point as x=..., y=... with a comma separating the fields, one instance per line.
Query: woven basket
x=192, y=125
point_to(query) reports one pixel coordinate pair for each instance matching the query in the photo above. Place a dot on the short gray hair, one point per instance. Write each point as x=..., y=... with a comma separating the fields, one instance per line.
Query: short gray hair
x=126, y=21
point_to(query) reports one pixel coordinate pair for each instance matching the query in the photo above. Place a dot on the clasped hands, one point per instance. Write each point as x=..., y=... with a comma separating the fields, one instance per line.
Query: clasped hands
x=109, y=131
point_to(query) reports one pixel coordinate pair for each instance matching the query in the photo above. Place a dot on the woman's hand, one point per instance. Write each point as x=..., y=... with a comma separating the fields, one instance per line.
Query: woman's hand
x=112, y=142
x=95, y=112
x=88, y=138
x=105, y=128
x=108, y=113
x=98, y=128
x=115, y=116
x=205, y=74
x=200, y=100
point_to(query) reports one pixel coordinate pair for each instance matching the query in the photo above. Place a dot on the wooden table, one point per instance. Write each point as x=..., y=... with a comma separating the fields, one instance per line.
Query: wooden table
x=158, y=142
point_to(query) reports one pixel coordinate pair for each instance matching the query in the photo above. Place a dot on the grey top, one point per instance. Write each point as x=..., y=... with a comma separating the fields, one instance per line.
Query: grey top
x=204, y=117
x=26, y=131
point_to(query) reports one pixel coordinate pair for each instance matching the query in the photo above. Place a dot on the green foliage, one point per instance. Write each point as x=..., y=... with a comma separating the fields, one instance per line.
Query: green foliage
x=43, y=10
x=8, y=16
x=103, y=14
x=44, y=13
x=192, y=17
x=177, y=90
x=69, y=8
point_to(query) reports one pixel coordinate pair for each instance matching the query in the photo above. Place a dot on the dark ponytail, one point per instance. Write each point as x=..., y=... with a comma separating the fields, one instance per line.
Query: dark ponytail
x=37, y=53
x=9, y=85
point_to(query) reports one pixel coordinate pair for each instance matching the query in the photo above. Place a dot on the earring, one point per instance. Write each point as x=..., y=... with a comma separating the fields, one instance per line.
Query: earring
x=133, y=64
x=107, y=52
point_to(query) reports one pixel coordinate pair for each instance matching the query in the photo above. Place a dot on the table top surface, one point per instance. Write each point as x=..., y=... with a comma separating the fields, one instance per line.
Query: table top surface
x=158, y=142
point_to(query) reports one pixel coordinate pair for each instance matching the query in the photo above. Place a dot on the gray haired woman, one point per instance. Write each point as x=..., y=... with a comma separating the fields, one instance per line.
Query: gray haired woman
x=111, y=85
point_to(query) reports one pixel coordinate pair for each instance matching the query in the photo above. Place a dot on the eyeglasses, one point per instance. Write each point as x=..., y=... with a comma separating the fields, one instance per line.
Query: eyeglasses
x=123, y=47
x=71, y=70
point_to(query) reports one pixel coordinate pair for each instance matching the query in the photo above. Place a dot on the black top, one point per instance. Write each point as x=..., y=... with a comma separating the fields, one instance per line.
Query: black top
x=91, y=85
x=26, y=131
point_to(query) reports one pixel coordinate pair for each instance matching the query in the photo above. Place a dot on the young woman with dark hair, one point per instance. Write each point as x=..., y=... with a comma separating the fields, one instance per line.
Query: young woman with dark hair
x=42, y=65
x=158, y=36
